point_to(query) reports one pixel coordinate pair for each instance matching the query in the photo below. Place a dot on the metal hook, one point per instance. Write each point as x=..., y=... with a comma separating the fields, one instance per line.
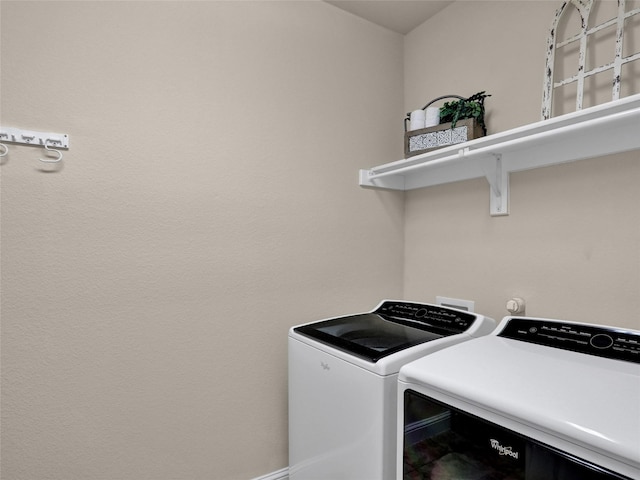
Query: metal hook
x=6, y=150
x=47, y=160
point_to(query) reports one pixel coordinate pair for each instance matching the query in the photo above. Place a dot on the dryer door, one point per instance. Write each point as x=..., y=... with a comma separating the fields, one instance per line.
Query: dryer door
x=443, y=442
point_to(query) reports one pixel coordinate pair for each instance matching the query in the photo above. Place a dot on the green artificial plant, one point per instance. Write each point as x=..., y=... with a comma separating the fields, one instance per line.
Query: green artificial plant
x=472, y=107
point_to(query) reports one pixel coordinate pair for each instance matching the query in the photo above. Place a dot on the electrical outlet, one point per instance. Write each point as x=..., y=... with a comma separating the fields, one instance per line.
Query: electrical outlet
x=468, y=305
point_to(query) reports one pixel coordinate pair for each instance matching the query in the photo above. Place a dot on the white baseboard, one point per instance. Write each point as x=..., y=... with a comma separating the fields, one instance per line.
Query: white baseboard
x=279, y=475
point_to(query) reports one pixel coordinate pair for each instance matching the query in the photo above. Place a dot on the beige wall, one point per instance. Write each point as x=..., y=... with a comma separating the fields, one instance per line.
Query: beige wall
x=208, y=202
x=571, y=245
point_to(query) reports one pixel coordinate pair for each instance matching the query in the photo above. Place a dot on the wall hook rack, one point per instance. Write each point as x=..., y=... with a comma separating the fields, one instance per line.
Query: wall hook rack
x=31, y=137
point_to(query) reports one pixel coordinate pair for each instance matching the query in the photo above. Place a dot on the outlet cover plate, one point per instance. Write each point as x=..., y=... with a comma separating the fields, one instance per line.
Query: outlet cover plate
x=467, y=305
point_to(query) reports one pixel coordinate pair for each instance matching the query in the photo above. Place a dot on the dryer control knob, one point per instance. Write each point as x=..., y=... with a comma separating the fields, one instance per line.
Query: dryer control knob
x=515, y=306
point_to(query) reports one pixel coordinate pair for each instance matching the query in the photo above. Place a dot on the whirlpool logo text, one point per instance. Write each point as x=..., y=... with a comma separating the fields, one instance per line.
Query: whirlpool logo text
x=502, y=450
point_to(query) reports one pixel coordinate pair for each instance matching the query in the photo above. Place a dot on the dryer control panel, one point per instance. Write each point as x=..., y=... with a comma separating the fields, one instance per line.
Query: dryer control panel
x=606, y=342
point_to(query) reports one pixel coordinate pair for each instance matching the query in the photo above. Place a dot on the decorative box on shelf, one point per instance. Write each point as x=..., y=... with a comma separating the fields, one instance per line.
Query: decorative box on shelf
x=432, y=138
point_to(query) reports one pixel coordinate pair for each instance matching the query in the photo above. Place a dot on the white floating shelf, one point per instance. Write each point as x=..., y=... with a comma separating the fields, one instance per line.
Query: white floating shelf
x=613, y=127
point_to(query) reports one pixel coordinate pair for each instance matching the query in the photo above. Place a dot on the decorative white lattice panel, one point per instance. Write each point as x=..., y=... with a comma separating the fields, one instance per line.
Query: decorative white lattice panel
x=623, y=24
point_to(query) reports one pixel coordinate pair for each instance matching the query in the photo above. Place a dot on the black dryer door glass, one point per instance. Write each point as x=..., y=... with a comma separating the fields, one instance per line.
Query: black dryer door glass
x=441, y=441
x=368, y=335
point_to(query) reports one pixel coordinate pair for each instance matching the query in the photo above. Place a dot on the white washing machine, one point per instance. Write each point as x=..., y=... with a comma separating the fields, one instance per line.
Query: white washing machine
x=538, y=399
x=343, y=375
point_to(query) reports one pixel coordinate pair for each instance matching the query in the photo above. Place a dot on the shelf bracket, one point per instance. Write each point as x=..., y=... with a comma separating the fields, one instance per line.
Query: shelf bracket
x=498, y=178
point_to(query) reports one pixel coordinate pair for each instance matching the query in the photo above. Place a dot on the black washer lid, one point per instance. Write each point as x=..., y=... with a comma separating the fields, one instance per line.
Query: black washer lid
x=393, y=327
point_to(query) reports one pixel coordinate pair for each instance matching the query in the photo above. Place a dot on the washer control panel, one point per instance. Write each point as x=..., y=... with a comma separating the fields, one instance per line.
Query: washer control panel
x=428, y=315
x=607, y=342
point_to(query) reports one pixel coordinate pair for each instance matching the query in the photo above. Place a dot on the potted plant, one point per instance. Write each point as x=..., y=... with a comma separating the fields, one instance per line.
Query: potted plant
x=466, y=113
x=472, y=107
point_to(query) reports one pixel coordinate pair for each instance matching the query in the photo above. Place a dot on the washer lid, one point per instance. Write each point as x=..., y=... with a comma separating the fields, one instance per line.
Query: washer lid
x=370, y=336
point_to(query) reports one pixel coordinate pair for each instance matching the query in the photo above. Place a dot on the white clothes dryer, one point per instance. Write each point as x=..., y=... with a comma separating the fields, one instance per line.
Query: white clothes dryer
x=538, y=399
x=343, y=375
